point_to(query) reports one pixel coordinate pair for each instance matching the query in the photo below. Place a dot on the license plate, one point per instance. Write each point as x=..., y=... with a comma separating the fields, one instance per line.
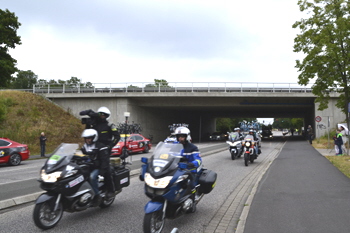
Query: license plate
x=76, y=181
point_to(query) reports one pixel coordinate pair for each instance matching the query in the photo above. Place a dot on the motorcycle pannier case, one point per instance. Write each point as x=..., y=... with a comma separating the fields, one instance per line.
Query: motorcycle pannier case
x=207, y=181
x=121, y=178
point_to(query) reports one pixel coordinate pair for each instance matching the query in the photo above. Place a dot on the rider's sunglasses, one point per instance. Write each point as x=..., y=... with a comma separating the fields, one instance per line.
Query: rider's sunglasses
x=102, y=114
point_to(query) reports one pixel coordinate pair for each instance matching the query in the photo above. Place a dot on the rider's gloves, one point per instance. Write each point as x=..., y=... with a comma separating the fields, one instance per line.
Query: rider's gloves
x=190, y=165
x=86, y=112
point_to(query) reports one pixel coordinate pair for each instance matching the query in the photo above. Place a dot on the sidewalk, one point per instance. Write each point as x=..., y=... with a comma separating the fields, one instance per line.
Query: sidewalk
x=301, y=192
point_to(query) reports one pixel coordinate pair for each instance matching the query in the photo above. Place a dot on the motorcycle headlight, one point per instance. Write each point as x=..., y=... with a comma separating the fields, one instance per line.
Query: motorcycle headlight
x=50, y=178
x=247, y=143
x=157, y=183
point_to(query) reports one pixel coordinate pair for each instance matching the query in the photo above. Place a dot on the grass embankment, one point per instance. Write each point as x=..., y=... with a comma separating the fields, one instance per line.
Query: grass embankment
x=341, y=162
x=23, y=116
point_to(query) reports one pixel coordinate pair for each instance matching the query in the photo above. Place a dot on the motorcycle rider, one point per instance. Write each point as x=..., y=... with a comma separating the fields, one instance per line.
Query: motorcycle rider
x=189, y=152
x=108, y=135
x=107, y=132
x=238, y=131
x=99, y=155
x=255, y=138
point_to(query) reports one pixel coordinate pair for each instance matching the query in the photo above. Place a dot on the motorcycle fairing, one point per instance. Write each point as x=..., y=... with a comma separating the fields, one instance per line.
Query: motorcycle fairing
x=44, y=197
x=181, y=189
x=84, y=188
x=47, y=197
x=153, y=206
x=62, y=156
x=165, y=159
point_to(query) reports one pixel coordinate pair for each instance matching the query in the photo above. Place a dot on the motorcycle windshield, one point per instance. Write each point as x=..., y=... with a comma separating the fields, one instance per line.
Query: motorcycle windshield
x=233, y=137
x=164, y=155
x=62, y=155
x=251, y=137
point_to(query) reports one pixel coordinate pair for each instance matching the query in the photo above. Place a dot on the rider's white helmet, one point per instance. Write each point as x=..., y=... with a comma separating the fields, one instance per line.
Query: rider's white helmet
x=105, y=111
x=90, y=133
x=183, y=131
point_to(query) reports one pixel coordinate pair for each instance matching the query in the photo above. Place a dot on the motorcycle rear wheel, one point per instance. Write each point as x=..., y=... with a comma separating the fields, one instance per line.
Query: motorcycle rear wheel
x=153, y=222
x=44, y=217
x=106, y=202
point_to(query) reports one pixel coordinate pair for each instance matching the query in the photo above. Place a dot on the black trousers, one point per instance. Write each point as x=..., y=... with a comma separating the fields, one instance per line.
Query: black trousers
x=42, y=148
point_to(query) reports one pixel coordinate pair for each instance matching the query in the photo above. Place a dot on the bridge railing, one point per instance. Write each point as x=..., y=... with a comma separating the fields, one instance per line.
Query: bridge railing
x=174, y=87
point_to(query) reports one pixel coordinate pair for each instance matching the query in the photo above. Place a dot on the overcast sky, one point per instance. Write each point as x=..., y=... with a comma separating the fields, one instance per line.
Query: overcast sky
x=114, y=41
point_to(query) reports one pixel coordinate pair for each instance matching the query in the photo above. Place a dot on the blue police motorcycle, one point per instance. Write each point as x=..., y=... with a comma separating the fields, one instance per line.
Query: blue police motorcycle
x=168, y=185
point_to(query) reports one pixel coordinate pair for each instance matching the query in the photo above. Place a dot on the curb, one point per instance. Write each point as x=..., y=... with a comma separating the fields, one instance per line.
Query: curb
x=32, y=197
x=19, y=200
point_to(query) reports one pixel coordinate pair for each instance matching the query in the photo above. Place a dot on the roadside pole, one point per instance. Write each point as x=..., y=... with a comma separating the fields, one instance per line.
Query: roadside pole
x=347, y=146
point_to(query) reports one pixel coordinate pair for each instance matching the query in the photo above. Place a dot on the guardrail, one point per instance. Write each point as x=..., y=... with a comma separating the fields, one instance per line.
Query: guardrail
x=174, y=87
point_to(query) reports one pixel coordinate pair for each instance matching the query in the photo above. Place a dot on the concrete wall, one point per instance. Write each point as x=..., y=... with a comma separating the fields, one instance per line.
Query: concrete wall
x=199, y=110
x=330, y=118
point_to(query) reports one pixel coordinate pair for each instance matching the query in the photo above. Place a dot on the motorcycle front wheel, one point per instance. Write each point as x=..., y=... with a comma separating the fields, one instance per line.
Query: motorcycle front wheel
x=246, y=159
x=153, y=222
x=233, y=155
x=44, y=217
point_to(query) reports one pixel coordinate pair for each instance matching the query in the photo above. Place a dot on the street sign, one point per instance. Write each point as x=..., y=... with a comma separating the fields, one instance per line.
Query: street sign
x=318, y=119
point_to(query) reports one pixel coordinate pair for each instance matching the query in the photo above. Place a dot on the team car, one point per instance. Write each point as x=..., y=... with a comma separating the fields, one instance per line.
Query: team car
x=134, y=143
x=12, y=152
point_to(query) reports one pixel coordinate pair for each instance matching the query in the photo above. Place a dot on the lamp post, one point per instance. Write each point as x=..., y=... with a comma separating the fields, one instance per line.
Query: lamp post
x=125, y=151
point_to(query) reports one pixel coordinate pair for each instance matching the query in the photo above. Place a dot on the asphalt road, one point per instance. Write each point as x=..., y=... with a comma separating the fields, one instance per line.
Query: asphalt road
x=126, y=214
x=22, y=180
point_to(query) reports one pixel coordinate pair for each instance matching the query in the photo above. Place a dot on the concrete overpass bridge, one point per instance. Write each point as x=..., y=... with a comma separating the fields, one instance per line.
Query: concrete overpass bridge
x=198, y=104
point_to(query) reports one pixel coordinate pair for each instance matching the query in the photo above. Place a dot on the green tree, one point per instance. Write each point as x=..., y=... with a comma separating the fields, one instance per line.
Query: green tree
x=8, y=39
x=24, y=80
x=159, y=83
x=88, y=85
x=325, y=41
x=282, y=123
x=228, y=124
x=42, y=83
x=297, y=123
x=224, y=125
x=73, y=82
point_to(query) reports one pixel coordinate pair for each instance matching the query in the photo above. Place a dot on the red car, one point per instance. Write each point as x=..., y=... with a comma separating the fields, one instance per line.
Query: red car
x=12, y=152
x=135, y=143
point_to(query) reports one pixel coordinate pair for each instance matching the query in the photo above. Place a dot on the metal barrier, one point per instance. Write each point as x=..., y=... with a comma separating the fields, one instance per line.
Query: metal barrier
x=175, y=87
